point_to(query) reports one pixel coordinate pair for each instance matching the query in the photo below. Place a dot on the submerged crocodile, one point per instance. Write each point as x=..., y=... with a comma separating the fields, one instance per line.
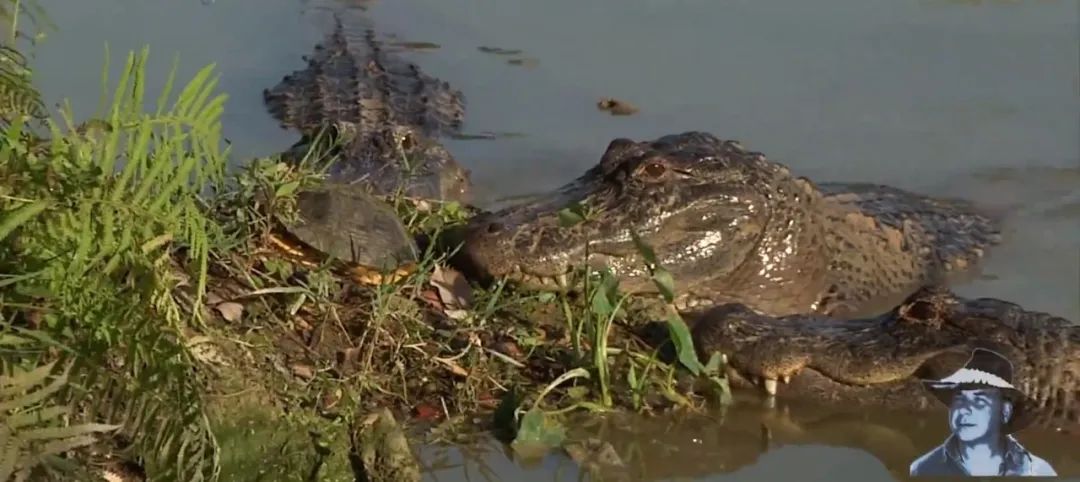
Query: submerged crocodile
x=881, y=360
x=732, y=226
x=382, y=114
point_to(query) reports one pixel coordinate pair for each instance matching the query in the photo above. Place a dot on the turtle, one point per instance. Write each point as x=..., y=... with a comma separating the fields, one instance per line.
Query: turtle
x=346, y=227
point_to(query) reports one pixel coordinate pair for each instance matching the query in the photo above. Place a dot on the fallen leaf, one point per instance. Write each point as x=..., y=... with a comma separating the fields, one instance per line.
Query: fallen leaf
x=428, y=412
x=453, y=367
x=454, y=290
x=509, y=348
x=230, y=310
x=431, y=297
x=213, y=298
x=457, y=314
x=303, y=371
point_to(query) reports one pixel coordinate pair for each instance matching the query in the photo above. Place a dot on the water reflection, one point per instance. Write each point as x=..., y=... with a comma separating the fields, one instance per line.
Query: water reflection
x=747, y=441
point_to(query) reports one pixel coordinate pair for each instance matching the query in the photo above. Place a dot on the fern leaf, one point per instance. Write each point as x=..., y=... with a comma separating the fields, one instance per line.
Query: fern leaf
x=9, y=454
x=35, y=396
x=51, y=433
x=54, y=448
x=25, y=380
x=17, y=217
x=22, y=420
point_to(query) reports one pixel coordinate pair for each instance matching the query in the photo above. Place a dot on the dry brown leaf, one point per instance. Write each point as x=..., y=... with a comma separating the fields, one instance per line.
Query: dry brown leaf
x=454, y=290
x=431, y=297
x=230, y=310
x=303, y=371
x=456, y=314
x=213, y=298
x=453, y=367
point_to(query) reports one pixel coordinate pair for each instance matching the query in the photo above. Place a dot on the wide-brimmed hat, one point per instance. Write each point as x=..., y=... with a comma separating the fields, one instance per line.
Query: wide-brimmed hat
x=986, y=369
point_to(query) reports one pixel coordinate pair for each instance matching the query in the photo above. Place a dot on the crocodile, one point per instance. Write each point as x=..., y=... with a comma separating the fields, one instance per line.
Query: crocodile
x=380, y=115
x=881, y=360
x=731, y=225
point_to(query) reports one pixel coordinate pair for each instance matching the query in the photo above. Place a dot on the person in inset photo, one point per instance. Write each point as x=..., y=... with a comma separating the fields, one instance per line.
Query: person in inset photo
x=985, y=410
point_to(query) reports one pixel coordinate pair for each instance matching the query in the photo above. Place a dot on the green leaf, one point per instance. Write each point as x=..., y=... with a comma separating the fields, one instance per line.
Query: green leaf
x=577, y=392
x=538, y=434
x=684, y=343
x=601, y=304
x=571, y=215
x=665, y=283
x=287, y=188
x=713, y=366
x=721, y=390
x=645, y=250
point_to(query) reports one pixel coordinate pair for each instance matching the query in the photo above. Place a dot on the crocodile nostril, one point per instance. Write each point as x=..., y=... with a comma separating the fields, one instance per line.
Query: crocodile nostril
x=494, y=227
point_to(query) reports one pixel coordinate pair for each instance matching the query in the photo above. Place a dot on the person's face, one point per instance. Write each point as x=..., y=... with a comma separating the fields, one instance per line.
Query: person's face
x=976, y=413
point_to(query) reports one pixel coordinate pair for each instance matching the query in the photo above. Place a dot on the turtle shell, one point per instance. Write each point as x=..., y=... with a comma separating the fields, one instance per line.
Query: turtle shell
x=346, y=222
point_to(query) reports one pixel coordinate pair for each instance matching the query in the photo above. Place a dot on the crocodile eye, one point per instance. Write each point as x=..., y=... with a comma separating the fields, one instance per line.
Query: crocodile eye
x=652, y=169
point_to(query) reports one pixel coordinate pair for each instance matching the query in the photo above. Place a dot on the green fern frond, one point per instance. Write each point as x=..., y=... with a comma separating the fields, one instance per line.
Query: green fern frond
x=99, y=211
x=31, y=427
x=18, y=98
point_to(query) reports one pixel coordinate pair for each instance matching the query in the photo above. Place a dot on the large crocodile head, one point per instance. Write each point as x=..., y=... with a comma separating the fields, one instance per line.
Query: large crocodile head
x=881, y=361
x=709, y=209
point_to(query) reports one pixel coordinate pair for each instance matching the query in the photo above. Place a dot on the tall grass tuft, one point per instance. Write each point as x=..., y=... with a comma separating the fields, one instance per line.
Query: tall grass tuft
x=101, y=226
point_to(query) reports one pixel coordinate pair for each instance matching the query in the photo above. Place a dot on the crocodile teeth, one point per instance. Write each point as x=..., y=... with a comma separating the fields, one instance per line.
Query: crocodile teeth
x=786, y=378
x=770, y=386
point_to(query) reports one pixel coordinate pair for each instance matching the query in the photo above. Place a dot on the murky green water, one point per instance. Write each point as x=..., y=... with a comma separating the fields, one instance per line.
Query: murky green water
x=971, y=98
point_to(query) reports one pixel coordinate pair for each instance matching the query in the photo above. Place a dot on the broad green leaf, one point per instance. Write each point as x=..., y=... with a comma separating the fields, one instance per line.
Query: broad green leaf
x=287, y=188
x=713, y=366
x=537, y=434
x=601, y=304
x=684, y=343
x=571, y=215
x=645, y=250
x=665, y=283
x=721, y=389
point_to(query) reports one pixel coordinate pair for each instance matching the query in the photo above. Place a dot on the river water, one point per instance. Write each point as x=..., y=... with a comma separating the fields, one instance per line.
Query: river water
x=971, y=98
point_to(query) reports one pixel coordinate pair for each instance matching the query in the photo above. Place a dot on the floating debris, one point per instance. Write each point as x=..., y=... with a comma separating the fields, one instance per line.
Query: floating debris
x=420, y=46
x=485, y=135
x=499, y=51
x=527, y=62
x=616, y=107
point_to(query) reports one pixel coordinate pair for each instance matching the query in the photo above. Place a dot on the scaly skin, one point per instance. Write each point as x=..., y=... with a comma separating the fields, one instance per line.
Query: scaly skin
x=383, y=113
x=880, y=361
x=732, y=226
